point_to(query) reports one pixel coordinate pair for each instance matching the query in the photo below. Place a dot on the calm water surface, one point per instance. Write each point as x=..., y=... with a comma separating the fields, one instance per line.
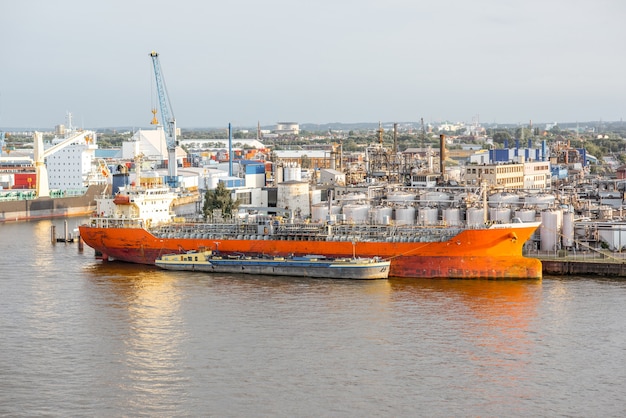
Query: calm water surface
x=79, y=337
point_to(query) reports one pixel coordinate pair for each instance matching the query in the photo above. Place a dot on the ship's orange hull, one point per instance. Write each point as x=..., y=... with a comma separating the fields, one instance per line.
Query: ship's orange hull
x=473, y=253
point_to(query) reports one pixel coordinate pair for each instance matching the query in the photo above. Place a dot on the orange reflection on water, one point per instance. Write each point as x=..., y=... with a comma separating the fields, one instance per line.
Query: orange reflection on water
x=149, y=304
x=494, y=322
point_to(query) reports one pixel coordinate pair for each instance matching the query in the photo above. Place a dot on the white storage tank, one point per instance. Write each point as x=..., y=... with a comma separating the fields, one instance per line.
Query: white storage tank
x=501, y=215
x=568, y=229
x=404, y=215
x=295, y=196
x=497, y=199
x=400, y=197
x=475, y=217
x=436, y=198
x=428, y=216
x=526, y=215
x=540, y=200
x=319, y=212
x=292, y=172
x=381, y=215
x=550, y=230
x=356, y=213
x=452, y=216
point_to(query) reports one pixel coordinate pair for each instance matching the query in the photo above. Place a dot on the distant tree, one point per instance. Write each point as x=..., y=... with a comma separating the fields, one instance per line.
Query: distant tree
x=305, y=161
x=501, y=136
x=555, y=130
x=524, y=133
x=219, y=198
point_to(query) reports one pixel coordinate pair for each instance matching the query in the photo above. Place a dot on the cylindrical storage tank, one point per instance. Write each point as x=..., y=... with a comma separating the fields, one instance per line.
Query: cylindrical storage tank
x=502, y=215
x=399, y=197
x=356, y=213
x=436, y=198
x=475, y=217
x=295, y=196
x=540, y=201
x=381, y=215
x=452, y=216
x=428, y=216
x=549, y=230
x=404, y=215
x=568, y=229
x=497, y=199
x=292, y=173
x=526, y=215
x=319, y=212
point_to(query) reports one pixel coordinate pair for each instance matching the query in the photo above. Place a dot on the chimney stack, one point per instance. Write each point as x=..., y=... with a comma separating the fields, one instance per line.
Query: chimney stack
x=442, y=155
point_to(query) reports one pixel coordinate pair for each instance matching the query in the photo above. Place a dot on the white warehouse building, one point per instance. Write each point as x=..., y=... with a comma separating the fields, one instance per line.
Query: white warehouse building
x=287, y=128
x=69, y=167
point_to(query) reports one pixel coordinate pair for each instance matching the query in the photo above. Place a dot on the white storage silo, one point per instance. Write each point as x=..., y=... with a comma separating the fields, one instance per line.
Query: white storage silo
x=475, y=217
x=539, y=200
x=319, y=212
x=549, y=230
x=497, y=199
x=404, y=215
x=568, y=229
x=356, y=213
x=295, y=196
x=526, y=215
x=501, y=215
x=381, y=215
x=428, y=216
x=400, y=197
x=436, y=198
x=292, y=172
x=452, y=216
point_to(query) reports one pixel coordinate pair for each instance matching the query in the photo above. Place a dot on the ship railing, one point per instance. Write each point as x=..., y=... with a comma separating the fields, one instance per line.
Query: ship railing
x=359, y=232
x=111, y=222
x=202, y=229
x=291, y=229
x=394, y=233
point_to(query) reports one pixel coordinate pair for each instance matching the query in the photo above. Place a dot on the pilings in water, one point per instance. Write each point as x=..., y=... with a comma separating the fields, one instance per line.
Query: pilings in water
x=67, y=237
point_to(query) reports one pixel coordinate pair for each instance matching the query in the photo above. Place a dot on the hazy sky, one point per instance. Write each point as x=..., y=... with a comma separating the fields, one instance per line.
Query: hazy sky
x=243, y=61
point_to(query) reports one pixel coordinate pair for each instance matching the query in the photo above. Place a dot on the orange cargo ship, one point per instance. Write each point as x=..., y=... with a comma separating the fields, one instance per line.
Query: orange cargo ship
x=140, y=233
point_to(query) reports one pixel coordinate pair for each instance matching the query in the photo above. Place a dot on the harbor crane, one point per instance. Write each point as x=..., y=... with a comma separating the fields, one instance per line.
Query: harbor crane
x=40, y=153
x=168, y=121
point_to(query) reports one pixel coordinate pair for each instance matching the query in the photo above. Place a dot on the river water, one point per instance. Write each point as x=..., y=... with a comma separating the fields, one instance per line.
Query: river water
x=79, y=337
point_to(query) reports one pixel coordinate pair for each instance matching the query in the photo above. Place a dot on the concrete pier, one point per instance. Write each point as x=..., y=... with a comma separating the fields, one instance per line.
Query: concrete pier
x=600, y=263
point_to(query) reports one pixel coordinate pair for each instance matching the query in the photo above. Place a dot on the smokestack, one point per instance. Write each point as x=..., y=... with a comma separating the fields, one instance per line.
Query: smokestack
x=230, y=151
x=395, y=138
x=442, y=154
